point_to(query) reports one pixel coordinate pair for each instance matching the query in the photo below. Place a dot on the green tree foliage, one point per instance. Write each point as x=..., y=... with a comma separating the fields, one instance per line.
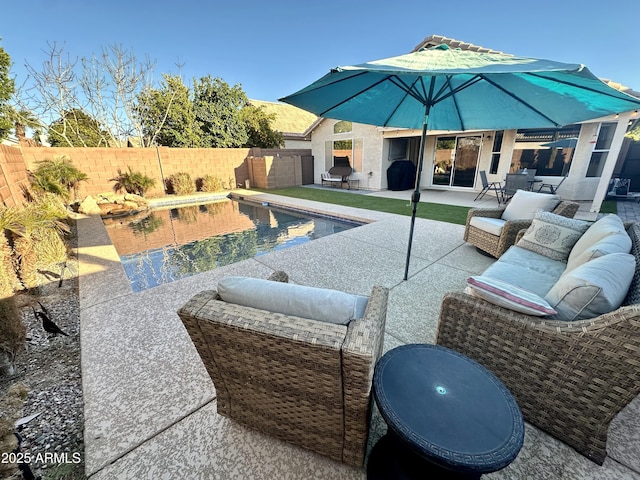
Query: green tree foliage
x=217, y=107
x=258, y=125
x=77, y=129
x=213, y=114
x=167, y=115
x=7, y=88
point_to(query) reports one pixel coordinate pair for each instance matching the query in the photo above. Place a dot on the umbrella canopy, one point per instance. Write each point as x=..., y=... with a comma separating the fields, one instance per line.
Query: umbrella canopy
x=562, y=143
x=445, y=89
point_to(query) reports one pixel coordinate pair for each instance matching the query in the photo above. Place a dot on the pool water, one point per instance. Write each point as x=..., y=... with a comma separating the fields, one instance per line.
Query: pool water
x=164, y=245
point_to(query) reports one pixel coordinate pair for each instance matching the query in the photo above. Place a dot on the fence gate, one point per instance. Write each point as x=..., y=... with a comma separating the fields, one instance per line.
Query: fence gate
x=307, y=169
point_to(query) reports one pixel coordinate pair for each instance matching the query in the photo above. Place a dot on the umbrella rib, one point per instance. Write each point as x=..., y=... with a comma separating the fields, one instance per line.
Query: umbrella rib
x=582, y=87
x=515, y=97
x=406, y=92
x=408, y=89
x=321, y=114
x=455, y=101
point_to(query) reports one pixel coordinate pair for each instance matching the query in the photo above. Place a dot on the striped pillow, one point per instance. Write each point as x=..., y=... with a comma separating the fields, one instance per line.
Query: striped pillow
x=508, y=296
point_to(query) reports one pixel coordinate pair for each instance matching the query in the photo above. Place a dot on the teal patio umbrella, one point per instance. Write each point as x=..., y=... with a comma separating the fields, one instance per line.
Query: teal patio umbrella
x=562, y=143
x=446, y=89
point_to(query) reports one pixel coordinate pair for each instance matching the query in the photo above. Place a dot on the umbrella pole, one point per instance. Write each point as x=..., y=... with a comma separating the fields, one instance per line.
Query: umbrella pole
x=415, y=196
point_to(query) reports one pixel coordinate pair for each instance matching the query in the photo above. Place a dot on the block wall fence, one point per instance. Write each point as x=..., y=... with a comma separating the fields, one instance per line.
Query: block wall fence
x=263, y=168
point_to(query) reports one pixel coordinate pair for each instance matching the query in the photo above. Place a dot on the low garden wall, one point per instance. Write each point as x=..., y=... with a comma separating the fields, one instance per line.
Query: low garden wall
x=233, y=166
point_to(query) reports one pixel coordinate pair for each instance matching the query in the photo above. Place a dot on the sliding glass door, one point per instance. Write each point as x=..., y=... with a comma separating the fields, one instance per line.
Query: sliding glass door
x=456, y=161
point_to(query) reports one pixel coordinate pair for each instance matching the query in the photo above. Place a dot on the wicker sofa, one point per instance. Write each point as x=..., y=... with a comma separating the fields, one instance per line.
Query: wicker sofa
x=303, y=381
x=488, y=231
x=570, y=378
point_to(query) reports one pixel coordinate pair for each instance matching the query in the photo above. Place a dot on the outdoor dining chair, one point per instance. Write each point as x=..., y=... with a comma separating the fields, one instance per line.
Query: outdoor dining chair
x=486, y=186
x=552, y=187
x=513, y=183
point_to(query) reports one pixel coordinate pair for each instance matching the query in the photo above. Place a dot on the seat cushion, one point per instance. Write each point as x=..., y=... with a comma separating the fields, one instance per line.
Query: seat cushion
x=526, y=269
x=553, y=235
x=524, y=205
x=596, y=287
x=289, y=299
x=488, y=224
x=507, y=296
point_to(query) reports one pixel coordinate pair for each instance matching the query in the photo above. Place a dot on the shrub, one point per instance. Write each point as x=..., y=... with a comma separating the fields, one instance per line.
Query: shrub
x=211, y=183
x=13, y=333
x=132, y=182
x=38, y=237
x=58, y=176
x=181, y=184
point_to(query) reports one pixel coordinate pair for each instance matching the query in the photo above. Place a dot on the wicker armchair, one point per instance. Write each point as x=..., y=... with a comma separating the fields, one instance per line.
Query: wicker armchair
x=300, y=380
x=496, y=245
x=569, y=378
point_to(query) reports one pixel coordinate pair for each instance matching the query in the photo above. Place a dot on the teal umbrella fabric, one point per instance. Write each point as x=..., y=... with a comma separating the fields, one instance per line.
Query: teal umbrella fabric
x=562, y=143
x=451, y=89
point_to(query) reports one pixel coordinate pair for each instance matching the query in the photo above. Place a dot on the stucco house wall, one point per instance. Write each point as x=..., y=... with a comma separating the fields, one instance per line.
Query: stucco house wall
x=376, y=158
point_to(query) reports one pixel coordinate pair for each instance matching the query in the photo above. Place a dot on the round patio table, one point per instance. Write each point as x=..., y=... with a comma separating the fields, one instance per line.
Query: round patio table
x=447, y=416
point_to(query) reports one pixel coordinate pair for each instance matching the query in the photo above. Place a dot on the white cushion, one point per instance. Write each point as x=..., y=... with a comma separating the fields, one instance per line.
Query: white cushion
x=508, y=296
x=596, y=287
x=597, y=231
x=616, y=242
x=526, y=269
x=298, y=300
x=488, y=224
x=607, y=235
x=553, y=235
x=524, y=205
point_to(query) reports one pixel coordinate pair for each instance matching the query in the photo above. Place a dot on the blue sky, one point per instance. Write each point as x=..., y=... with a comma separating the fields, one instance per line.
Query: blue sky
x=273, y=48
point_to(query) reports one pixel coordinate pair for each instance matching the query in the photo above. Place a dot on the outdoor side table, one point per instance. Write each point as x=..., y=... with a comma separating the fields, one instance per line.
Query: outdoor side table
x=447, y=416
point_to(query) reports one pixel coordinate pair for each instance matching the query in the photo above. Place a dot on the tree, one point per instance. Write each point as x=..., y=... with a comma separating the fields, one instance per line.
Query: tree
x=104, y=88
x=167, y=115
x=77, y=129
x=217, y=108
x=7, y=88
x=22, y=119
x=258, y=125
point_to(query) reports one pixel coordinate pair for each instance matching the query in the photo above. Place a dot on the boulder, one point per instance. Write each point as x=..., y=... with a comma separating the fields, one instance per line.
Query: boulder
x=89, y=206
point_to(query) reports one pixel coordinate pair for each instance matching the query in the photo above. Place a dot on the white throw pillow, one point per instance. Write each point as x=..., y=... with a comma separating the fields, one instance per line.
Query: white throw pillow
x=607, y=235
x=298, y=300
x=524, y=205
x=596, y=287
x=508, y=296
x=553, y=235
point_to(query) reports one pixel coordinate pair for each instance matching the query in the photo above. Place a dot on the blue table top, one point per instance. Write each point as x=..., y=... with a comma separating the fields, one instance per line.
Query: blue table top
x=448, y=408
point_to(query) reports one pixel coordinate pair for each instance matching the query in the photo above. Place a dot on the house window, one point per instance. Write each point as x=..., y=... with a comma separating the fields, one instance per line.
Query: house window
x=601, y=149
x=495, y=152
x=531, y=150
x=343, y=148
x=342, y=127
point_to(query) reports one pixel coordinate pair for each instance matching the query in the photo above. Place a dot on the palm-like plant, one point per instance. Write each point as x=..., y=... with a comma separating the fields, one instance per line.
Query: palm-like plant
x=58, y=176
x=38, y=239
x=132, y=182
x=23, y=119
x=8, y=278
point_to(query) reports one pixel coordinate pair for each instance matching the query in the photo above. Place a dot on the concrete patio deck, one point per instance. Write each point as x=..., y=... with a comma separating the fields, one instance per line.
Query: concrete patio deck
x=150, y=407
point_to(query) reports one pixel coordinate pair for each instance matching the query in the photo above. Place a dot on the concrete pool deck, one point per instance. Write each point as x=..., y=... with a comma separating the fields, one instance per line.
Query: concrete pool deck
x=150, y=407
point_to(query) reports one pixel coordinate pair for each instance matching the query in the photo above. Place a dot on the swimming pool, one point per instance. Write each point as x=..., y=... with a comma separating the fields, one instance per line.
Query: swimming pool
x=164, y=245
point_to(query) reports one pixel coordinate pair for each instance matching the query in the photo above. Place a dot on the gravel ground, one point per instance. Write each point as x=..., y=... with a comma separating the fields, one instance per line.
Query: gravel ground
x=50, y=367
